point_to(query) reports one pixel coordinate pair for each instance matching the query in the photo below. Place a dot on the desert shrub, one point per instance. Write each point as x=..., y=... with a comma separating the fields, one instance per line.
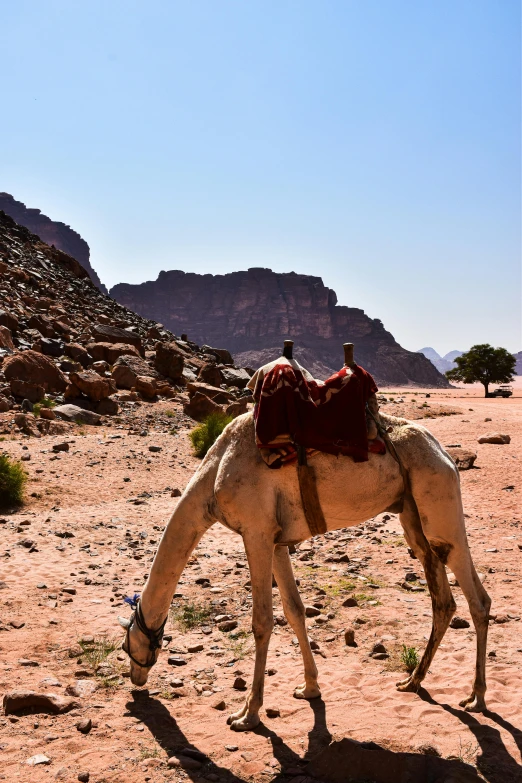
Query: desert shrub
x=206, y=433
x=190, y=615
x=12, y=482
x=409, y=658
x=47, y=402
x=97, y=651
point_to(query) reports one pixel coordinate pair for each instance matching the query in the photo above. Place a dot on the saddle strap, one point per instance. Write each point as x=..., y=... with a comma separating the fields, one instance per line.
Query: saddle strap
x=309, y=497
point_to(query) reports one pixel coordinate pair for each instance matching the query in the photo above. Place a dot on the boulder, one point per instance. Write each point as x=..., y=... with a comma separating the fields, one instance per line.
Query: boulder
x=211, y=374
x=9, y=320
x=233, y=377
x=113, y=334
x=100, y=367
x=77, y=414
x=78, y=353
x=5, y=405
x=495, y=437
x=221, y=354
x=107, y=407
x=6, y=340
x=126, y=370
x=26, y=391
x=218, y=395
x=21, y=700
x=26, y=423
x=51, y=347
x=110, y=352
x=201, y=406
x=36, y=369
x=236, y=408
x=92, y=385
x=169, y=360
x=463, y=458
x=146, y=386
x=43, y=323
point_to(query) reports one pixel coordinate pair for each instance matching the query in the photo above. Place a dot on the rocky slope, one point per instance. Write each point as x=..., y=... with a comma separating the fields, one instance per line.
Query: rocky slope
x=63, y=341
x=252, y=312
x=52, y=232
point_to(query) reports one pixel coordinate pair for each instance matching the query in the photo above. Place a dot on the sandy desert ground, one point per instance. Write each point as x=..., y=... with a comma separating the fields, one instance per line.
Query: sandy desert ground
x=86, y=538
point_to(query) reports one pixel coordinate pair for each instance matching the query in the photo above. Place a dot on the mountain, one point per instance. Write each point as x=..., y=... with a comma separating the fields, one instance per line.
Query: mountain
x=442, y=363
x=51, y=232
x=61, y=337
x=518, y=366
x=252, y=313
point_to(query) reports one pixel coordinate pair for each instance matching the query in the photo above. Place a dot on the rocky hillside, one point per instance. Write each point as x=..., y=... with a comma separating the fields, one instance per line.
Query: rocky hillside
x=84, y=355
x=51, y=232
x=253, y=312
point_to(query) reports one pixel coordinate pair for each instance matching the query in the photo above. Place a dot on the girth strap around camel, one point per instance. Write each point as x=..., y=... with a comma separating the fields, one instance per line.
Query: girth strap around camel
x=297, y=416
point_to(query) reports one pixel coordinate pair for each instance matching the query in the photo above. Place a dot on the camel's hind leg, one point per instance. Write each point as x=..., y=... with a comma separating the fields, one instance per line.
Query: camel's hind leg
x=295, y=614
x=443, y=605
x=460, y=562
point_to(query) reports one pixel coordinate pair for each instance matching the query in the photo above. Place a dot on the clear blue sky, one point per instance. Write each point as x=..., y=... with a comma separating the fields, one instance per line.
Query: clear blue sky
x=375, y=143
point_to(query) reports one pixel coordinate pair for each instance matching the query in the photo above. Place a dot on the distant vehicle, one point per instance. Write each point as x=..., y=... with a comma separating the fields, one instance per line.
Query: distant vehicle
x=502, y=391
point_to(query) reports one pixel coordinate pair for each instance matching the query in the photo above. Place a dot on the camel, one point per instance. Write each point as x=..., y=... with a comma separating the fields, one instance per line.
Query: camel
x=233, y=486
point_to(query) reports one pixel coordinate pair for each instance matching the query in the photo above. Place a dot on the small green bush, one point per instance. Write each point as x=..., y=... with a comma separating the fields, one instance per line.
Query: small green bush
x=206, y=433
x=47, y=402
x=191, y=615
x=12, y=482
x=409, y=658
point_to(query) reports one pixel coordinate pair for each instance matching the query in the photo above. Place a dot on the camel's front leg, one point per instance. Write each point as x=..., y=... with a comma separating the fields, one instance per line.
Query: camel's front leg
x=260, y=554
x=295, y=613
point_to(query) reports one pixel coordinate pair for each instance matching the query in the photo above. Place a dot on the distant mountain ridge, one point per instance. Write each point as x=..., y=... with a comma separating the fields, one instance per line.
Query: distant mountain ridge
x=442, y=363
x=253, y=311
x=52, y=232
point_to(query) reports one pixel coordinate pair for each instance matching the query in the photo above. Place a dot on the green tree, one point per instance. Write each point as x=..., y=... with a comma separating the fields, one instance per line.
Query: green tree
x=484, y=364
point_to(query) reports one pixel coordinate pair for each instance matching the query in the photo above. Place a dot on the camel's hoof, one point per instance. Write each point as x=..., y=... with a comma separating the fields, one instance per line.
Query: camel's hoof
x=474, y=704
x=305, y=692
x=246, y=723
x=237, y=715
x=408, y=686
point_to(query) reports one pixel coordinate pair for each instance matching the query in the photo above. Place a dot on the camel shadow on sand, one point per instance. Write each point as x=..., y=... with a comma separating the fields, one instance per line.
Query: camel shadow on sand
x=344, y=760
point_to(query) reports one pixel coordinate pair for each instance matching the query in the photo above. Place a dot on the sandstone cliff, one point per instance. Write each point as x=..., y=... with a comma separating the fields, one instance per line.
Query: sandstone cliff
x=51, y=232
x=252, y=312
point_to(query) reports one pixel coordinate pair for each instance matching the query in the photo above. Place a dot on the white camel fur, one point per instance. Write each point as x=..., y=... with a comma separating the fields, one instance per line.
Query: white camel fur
x=234, y=486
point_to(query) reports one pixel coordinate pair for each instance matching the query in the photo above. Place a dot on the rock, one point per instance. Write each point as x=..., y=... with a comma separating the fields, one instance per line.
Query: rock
x=61, y=446
x=127, y=369
x=378, y=649
x=146, y=386
x=176, y=660
x=84, y=725
x=100, y=367
x=81, y=688
x=210, y=374
x=496, y=438
x=107, y=407
x=201, y=406
x=38, y=759
x=170, y=360
x=48, y=414
x=79, y=415
x=311, y=611
x=195, y=648
x=111, y=352
x=6, y=339
x=351, y=601
x=27, y=424
x=113, y=334
x=459, y=622
x=29, y=391
x=500, y=619
x=51, y=347
x=5, y=405
x=464, y=459
x=349, y=637
x=35, y=369
x=77, y=352
x=220, y=396
x=84, y=777
x=236, y=408
x=273, y=712
x=19, y=700
x=92, y=385
x=227, y=625
x=9, y=320
x=176, y=493
x=219, y=704
x=233, y=377
x=239, y=684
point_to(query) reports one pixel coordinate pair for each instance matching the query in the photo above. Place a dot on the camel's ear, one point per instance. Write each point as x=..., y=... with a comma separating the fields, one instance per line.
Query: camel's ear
x=124, y=622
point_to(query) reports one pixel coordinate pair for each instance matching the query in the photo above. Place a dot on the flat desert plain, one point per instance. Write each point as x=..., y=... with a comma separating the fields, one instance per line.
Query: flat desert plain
x=86, y=537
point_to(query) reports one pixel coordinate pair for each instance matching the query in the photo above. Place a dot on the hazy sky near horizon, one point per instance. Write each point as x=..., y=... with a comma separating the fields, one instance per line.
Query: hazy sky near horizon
x=374, y=143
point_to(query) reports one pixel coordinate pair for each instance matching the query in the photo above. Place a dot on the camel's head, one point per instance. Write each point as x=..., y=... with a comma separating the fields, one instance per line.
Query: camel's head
x=137, y=647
